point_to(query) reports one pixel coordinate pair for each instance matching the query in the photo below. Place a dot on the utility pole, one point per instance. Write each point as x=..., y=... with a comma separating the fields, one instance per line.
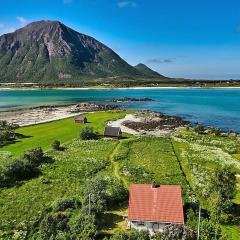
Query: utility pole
x=199, y=220
x=89, y=203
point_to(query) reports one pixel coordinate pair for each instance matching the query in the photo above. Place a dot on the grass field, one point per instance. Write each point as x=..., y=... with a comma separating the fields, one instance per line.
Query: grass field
x=180, y=160
x=42, y=135
x=62, y=179
x=199, y=155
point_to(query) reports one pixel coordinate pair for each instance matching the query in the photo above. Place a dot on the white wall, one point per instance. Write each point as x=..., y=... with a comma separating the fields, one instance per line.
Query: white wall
x=152, y=227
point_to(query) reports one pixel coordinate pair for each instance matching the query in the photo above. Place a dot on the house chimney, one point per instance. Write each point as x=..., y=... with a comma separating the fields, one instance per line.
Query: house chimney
x=154, y=184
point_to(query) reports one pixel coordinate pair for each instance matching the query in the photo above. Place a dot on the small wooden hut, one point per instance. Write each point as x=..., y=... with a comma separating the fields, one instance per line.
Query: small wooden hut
x=80, y=119
x=114, y=132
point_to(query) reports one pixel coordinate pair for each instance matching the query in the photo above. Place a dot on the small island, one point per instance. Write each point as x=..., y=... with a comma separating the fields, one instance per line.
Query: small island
x=129, y=99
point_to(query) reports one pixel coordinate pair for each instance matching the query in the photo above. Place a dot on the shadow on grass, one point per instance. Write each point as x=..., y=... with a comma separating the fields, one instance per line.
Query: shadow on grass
x=20, y=171
x=19, y=136
x=109, y=221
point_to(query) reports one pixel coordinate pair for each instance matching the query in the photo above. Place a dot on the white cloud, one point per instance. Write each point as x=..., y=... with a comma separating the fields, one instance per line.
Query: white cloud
x=157, y=60
x=123, y=4
x=21, y=20
x=6, y=29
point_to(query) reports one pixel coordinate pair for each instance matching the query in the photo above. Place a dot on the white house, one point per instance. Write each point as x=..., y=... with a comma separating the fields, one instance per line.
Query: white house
x=151, y=207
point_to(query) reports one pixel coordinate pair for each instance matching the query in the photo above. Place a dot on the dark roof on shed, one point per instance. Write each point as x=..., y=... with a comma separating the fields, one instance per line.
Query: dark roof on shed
x=81, y=117
x=112, y=131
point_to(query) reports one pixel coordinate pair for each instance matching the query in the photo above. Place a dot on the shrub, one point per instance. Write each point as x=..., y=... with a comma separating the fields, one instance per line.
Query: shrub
x=210, y=230
x=35, y=156
x=199, y=129
x=24, y=168
x=132, y=235
x=216, y=131
x=63, y=204
x=177, y=232
x=52, y=224
x=17, y=170
x=88, y=133
x=56, y=145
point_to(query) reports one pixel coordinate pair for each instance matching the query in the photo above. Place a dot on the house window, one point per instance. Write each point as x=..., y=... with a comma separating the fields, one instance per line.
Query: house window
x=141, y=223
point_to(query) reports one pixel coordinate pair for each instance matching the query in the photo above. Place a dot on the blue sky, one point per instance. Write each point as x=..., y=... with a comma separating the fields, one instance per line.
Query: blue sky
x=178, y=38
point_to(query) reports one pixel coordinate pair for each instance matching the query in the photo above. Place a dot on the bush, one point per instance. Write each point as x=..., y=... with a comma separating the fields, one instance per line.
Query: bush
x=177, y=232
x=132, y=235
x=88, y=133
x=56, y=145
x=35, y=156
x=17, y=170
x=210, y=230
x=63, y=204
x=215, y=131
x=199, y=129
x=24, y=168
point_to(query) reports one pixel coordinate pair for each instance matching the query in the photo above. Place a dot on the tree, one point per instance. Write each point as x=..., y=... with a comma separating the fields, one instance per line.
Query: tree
x=225, y=182
x=116, y=191
x=88, y=133
x=96, y=190
x=222, y=190
x=84, y=228
x=7, y=132
x=56, y=145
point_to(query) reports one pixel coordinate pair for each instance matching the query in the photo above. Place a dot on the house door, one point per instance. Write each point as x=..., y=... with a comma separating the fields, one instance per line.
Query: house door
x=155, y=227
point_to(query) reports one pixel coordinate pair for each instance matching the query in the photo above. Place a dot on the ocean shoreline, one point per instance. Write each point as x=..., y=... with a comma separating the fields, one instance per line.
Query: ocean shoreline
x=116, y=88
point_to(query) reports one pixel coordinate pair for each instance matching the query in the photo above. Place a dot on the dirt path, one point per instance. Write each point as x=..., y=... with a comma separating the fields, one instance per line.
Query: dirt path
x=115, y=164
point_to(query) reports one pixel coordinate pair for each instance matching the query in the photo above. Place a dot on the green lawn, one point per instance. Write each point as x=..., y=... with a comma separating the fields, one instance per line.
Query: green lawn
x=42, y=135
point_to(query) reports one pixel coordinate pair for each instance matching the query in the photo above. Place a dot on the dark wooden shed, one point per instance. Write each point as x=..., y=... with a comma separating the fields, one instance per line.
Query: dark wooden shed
x=114, y=132
x=81, y=119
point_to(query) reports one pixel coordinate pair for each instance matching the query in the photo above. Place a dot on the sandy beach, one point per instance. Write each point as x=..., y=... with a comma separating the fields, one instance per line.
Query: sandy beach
x=42, y=114
x=38, y=115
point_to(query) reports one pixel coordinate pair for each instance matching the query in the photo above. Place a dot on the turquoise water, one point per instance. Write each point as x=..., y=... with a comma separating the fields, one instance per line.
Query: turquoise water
x=213, y=107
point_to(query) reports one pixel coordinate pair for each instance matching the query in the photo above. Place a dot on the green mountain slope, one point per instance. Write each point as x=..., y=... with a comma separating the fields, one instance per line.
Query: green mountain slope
x=146, y=71
x=49, y=50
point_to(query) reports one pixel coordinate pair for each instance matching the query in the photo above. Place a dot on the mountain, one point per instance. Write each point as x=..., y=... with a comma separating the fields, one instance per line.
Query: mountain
x=146, y=71
x=49, y=50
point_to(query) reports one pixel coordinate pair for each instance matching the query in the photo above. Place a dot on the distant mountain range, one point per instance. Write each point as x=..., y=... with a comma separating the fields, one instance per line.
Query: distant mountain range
x=145, y=70
x=50, y=51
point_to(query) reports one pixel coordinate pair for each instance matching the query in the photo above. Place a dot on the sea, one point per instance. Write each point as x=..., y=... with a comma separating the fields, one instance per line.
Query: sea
x=217, y=107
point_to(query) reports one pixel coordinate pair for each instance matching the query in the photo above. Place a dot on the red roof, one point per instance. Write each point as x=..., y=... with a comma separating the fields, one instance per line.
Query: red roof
x=159, y=204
